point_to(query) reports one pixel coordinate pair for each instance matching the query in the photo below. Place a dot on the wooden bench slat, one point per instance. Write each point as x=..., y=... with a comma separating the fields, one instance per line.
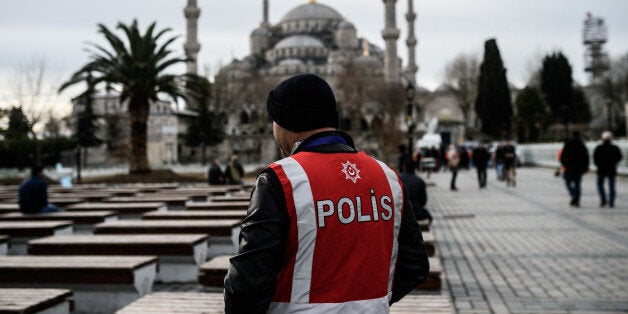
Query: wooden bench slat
x=76, y=217
x=71, y=269
x=196, y=214
x=218, y=227
x=162, y=244
x=32, y=228
x=217, y=205
x=31, y=300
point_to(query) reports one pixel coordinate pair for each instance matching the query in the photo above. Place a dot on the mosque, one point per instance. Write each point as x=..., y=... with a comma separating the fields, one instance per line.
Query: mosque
x=310, y=38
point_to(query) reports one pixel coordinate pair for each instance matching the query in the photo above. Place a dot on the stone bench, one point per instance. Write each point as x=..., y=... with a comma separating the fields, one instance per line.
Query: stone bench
x=198, y=303
x=64, y=202
x=26, y=301
x=123, y=192
x=433, y=281
x=173, y=202
x=424, y=224
x=218, y=205
x=23, y=231
x=86, y=196
x=83, y=221
x=223, y=232
x=196, y=214
x=430, y=243
x=212, y=273
x=4, y=245
x=9, y=208
x=124, y=210
x=100, y=283
x=231, y=198
x=179, y=255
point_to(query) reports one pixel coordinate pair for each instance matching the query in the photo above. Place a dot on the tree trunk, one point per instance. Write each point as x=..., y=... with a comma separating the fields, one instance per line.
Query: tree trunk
x=203, y=155
x=138, y=114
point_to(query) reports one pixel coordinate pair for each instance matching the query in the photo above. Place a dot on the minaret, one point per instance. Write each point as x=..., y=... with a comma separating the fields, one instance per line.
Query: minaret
x=390, y=35
x=191, y=46
x=265, y=22
x=411, y=42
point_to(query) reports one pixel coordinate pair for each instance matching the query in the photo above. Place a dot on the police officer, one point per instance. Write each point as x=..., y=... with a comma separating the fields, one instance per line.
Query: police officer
x=328, y=228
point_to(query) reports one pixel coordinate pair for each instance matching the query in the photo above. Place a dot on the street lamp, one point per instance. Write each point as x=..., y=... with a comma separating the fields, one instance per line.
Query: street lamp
x=410, y=90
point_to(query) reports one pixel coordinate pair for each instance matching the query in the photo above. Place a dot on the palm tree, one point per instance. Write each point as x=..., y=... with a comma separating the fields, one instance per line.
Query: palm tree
x=135, y=64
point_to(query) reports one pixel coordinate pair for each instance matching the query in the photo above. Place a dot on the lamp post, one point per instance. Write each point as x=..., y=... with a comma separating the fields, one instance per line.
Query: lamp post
x=410, y=90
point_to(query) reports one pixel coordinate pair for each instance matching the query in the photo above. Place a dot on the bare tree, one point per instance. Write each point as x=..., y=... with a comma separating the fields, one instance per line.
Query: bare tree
x=461, y=75
x=34, y=91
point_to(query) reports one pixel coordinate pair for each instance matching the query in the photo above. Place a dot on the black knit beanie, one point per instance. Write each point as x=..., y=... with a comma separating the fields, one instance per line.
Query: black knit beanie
x=302, y=103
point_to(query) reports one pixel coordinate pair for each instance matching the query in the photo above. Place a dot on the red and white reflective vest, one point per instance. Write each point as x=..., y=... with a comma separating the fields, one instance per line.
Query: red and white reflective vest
x=345, y=212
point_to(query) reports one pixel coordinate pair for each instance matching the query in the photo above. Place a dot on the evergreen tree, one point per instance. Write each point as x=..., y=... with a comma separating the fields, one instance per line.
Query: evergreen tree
x=580, y=110
x=557, y=86
x=205, y=129
x=532, y=116
x=18, y=125
x=493, y=104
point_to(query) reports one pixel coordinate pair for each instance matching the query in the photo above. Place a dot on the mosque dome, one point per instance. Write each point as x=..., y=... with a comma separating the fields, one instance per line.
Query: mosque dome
x=260, y=31
x=368, y=62
x=312, y=11
x=297, y=41
x=346, y=26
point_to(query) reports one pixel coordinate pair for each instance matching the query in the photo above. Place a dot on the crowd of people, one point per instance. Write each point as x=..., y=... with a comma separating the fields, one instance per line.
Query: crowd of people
x=453, y=157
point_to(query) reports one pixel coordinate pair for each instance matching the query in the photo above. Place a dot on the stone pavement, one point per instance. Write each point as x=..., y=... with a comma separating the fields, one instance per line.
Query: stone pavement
x=525, y=250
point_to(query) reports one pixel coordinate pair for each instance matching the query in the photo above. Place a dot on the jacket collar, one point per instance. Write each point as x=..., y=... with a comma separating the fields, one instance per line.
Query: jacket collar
x=341, y=141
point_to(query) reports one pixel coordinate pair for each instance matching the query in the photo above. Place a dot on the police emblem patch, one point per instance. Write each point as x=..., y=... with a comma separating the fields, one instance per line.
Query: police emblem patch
x=351, y=171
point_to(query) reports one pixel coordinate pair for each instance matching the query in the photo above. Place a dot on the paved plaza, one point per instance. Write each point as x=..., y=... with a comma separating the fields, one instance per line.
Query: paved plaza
x=525, y=250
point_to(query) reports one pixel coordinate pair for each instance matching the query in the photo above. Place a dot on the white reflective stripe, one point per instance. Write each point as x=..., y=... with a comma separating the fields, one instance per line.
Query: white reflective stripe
x=372, y=306
x=306, y=229
x=397, y=194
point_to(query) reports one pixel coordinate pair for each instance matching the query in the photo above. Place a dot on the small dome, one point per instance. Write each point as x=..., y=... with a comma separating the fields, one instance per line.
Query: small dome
x=346, y=25
x=260, y=31
x=312, y=11
x=299, y=41
x=368, y=62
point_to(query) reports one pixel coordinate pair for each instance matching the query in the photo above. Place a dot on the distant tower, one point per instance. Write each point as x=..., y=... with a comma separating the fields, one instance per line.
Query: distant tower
x=390, y=35
x=265, y=17
x=411, y=42
x=594, y=37
x=259, y=40
x=191, y=46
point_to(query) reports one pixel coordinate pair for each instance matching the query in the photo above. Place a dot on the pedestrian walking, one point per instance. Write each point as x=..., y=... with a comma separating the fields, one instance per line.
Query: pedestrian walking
x=606, y=157
x=575, y=159
x=453, y=162
x=510, y=163
x=328, y=228
x=481, y=157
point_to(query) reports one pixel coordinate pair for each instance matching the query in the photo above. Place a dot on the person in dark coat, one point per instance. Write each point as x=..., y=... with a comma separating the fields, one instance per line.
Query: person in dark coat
x=575, y=159
x=606, y=157
x=33, y=194
x=415, y=187
x=510, y=163
x=481, y=156
x=215, y=175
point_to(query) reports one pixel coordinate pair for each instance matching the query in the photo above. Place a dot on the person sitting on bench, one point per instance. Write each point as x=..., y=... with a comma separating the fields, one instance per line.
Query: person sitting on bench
x=33, y=195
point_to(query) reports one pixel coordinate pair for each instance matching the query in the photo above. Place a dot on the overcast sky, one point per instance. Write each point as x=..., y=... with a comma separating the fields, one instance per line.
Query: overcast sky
x=58, y=30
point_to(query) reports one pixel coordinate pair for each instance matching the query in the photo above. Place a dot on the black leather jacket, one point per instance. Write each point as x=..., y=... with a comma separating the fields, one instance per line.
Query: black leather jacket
x=250, y=282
